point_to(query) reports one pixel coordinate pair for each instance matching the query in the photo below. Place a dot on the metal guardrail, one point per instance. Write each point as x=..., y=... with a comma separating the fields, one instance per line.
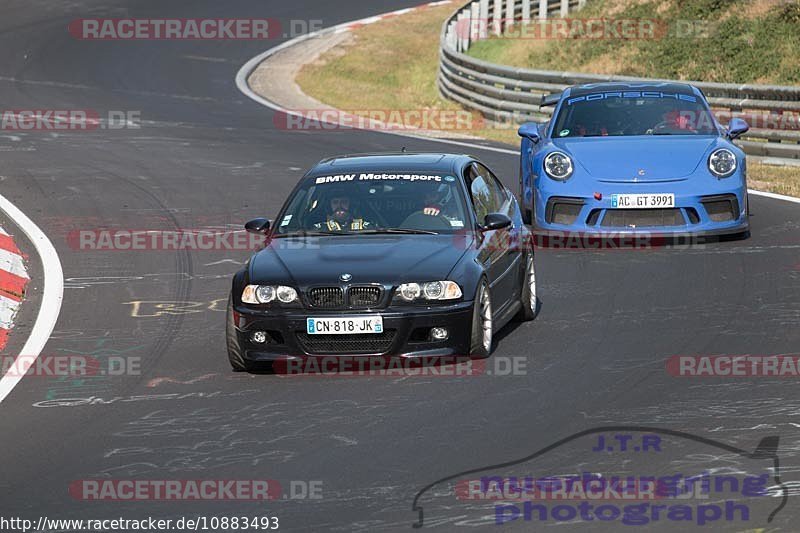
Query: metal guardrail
x=508, y=94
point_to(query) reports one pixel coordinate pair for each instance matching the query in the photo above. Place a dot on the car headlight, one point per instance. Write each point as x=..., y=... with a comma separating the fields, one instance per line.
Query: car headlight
x=286, y=294
x=264, y=294
x=558, y=166
x=722, y=163
x=432, y=290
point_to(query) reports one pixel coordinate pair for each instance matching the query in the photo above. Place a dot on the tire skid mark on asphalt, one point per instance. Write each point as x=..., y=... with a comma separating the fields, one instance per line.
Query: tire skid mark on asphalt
x=204, y=438
x=13, y=280
x=183, y=286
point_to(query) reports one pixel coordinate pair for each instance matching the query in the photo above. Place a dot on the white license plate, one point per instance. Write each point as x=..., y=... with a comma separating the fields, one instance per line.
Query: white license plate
x=642, y=201
x=344, y=326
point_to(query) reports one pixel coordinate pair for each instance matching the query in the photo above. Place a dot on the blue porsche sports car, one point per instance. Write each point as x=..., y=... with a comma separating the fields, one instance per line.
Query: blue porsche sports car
x=633, y=158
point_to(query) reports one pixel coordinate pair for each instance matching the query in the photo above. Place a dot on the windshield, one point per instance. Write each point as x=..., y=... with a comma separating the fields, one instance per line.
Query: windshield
x=633, y=113
x=395, y=202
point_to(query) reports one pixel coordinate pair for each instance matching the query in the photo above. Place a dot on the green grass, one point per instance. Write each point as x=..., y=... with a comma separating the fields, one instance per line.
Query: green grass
x=389, y=65
x=755, y=41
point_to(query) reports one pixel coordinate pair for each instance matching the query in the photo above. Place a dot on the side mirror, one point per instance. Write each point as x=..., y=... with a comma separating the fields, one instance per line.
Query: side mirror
x=257, y=225
x=529, y=130
x=494, y=221
x=737, y=127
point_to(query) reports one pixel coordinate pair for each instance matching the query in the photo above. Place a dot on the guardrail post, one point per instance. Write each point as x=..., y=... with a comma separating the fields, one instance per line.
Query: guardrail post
x=542, y=9
x=483, y=32
x=497, y=16
x=475, y=22
x=448, y=34
x=510, y=13
x=526, y=11
x=564, y=8
x=460, y=32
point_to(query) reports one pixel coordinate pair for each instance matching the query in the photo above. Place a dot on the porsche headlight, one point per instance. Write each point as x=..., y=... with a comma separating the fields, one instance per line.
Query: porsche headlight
x=432, y=290
x=558, y=166
x=264, y=294
x=722, y=163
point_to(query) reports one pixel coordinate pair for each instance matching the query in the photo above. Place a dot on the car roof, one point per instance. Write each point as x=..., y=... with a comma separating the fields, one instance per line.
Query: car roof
x=390, y=161
x=667, y=86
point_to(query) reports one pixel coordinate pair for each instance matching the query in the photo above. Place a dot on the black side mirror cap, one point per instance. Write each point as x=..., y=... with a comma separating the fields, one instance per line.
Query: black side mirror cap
x=494, y=221
x=258, y=225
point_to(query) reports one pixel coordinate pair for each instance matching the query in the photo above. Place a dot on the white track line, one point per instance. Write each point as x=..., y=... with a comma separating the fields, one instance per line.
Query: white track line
x=775, y=196
x=250, y=66
x=52, y=295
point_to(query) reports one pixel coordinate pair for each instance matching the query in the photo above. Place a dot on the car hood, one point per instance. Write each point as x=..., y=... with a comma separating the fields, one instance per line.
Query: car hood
x=367, y=258
x=638, y=159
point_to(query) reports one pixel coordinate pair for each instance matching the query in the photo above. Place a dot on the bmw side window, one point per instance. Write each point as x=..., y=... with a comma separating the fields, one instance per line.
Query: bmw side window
x=496, y=191
x=498, y=188
x=482, y=197
x=292, y=218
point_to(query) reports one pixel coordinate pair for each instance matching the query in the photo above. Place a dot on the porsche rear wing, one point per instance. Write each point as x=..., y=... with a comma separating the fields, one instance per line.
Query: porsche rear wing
x=550, y=99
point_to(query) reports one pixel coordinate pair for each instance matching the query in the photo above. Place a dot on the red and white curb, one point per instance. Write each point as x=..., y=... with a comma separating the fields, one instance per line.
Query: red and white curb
x=13, y=279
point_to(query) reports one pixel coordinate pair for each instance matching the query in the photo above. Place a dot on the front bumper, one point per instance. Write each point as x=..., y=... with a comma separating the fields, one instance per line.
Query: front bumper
x=287, y=339
x=592, y=212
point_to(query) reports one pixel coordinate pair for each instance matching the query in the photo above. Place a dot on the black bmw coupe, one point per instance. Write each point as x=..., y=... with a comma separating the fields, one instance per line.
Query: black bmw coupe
x=407, y=255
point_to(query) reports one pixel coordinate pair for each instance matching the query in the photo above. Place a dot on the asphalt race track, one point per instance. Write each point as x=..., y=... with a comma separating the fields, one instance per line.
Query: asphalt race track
x=206, y=155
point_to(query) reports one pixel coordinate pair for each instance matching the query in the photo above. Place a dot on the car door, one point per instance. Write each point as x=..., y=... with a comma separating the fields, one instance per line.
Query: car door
x=492, y=249
x=508, y=238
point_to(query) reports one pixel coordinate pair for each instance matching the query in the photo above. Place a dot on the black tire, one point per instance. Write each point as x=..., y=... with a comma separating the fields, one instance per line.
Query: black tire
x=478, y=345
x=528, y=292
x=232, y=341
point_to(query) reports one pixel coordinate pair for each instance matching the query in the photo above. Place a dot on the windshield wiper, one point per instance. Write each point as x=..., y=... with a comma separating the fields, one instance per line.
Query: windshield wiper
x=400, y=231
